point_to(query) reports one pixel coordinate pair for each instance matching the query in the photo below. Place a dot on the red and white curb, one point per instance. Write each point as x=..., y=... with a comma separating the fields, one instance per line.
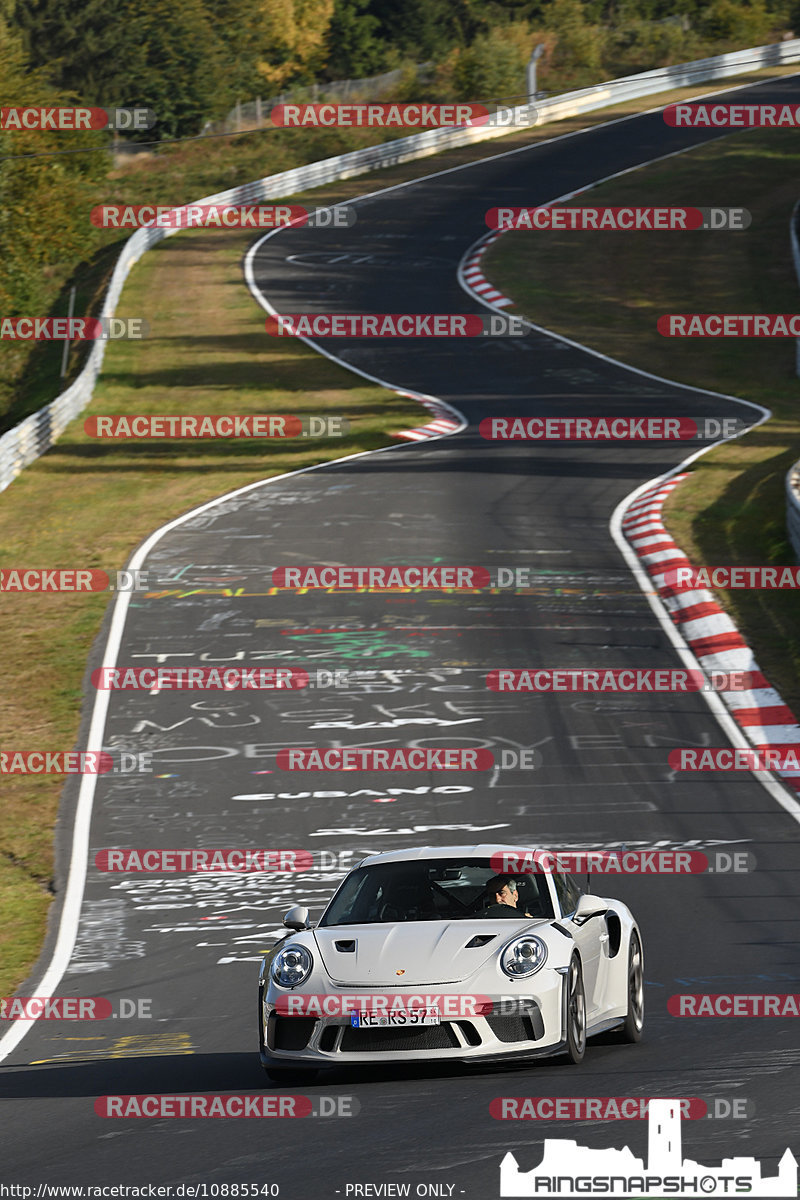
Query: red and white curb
x=442, y=424
x=766, y=722
x=475, y=279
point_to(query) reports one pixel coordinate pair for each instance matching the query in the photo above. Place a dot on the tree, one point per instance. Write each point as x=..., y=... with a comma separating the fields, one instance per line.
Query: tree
x=352, y=48
x=165, y=56
x=420, y=28
x=293, y=36
x=493, y=67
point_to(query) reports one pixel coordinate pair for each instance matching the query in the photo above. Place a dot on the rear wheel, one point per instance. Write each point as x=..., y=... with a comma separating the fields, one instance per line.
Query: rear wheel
x=634, y=1018
x=576, y=1012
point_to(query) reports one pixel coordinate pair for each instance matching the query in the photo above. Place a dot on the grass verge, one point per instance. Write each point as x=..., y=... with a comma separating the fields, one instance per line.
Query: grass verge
x=90, y=503
x=606, y=290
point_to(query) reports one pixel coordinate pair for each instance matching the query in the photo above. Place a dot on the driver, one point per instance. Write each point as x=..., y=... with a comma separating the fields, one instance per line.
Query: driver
x=503, y=890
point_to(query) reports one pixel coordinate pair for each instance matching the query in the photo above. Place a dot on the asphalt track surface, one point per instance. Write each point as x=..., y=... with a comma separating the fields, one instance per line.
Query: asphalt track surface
x=191, y=945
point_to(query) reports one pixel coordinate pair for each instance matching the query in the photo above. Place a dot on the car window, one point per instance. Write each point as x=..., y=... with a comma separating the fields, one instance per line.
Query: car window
x=428, y=890
x=568, y=892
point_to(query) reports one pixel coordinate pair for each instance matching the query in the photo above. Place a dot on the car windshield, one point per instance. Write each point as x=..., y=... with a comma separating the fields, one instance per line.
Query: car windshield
x=434, y=889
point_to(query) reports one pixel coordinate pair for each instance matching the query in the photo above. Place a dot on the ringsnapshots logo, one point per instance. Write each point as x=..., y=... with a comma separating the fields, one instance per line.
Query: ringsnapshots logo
x=45, y=117
x=569, y=1170
x=618, y=220
x=394, y=325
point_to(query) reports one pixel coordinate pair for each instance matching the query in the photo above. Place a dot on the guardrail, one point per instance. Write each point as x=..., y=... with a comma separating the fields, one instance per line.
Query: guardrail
x=23, y=444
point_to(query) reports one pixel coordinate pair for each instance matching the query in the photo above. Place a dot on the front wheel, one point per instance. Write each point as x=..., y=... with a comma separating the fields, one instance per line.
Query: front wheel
x=576, y=1012
x=634, y=1018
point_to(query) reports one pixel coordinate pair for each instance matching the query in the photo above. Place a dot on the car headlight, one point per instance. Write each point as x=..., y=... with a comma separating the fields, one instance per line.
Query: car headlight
x=292, y=966
x=524, y=956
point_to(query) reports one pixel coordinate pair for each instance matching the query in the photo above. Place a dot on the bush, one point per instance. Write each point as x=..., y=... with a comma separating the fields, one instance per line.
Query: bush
x=493, y=67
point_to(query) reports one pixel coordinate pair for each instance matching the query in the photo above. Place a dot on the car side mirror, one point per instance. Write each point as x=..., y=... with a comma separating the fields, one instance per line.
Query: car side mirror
x=297, y=918
x=588, y=907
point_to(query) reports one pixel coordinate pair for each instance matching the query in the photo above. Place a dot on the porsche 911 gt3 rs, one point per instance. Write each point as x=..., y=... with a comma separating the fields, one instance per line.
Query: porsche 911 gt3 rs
x=434, y=954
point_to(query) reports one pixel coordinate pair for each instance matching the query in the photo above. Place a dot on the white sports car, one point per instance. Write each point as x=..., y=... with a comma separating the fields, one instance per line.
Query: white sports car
x=434, y=954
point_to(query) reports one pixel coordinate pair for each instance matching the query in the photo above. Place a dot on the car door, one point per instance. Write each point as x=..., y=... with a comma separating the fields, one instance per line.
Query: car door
x=591, y=938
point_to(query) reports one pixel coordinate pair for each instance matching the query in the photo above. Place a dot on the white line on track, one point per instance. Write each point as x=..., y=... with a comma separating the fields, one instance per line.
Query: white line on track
x=787, y=800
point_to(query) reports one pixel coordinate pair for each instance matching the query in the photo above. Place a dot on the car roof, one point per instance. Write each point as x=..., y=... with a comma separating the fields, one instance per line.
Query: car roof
x=484, y=850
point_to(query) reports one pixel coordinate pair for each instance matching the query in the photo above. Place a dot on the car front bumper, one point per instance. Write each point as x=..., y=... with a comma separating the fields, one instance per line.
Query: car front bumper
x=532, y=1026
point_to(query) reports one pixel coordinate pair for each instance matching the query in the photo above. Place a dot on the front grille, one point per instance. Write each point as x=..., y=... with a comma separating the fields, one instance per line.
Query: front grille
x=516, y=1028
x=327, y=1039
x=377, y=1041
x=292, y=1033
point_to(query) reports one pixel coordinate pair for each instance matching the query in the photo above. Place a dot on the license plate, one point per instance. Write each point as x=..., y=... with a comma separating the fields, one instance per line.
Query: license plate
x=402, y=1018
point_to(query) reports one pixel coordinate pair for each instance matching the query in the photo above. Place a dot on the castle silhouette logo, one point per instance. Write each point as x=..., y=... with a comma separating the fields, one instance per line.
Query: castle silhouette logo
x=568, y=1169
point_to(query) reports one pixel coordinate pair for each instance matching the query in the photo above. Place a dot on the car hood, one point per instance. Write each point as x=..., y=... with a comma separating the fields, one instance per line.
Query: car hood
x=415, y=952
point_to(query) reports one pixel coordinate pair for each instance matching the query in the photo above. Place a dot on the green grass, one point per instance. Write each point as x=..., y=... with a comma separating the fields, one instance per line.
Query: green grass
x=606, y=290
x=89, y=503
